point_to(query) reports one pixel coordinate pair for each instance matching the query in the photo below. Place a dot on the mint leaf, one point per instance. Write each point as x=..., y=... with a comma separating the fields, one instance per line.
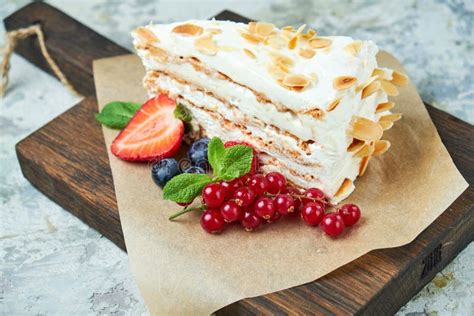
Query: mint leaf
x=237, y=161
x=116, y=114
x=182, y=112
x=185, y=187
x=215, y=154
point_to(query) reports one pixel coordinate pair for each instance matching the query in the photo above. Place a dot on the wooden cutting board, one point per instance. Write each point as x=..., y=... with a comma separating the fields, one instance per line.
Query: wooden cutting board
x=67, y=160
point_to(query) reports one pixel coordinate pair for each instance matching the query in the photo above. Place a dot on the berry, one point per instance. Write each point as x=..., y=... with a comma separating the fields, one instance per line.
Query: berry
x=194, y=169
x=294, y=192
x=255, y=165
x=244, y=196
x=163, y=170
x=284, y=203
x=152, y=133
x=274, y=218
x=230, y=187
x=198, y=153
x=213, y=195
x=312, y=194
x=231, y=212
x=276, y=182
x=332, y=224
x=212, y=221
x=312, y=213
x=245, y=179
x=350, y=214
x=250, y=221
x=264, y=207
x=258, y=184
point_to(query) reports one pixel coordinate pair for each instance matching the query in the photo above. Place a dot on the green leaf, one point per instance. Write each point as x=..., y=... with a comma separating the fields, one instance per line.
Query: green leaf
x=237, y=162
x=181, y=112
x=116, y=114
x=215, y=154
x=185, y=187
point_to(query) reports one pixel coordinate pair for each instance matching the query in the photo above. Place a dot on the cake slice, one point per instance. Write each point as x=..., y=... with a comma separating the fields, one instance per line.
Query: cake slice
x=314, y=107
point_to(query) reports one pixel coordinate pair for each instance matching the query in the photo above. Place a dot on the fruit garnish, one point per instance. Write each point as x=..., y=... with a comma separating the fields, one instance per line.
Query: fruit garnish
x=212, y=221
x=197, y=153
x=163, y=170
x=194, y=169
x=152, y=133
x=350, y=214
x=255, y=164
x=332, y=224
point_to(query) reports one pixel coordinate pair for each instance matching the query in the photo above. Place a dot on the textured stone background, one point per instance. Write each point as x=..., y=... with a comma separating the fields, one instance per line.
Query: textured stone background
x=51, y=263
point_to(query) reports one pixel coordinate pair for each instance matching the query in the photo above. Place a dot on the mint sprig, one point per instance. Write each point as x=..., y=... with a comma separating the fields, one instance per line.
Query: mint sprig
x=227, y=164
x=116, y=114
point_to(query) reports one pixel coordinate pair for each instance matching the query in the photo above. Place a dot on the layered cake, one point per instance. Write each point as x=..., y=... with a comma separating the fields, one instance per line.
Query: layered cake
x=314, y=107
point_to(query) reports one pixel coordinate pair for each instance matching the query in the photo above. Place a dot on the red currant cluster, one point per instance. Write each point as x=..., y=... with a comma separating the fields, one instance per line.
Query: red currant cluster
x=256, y=199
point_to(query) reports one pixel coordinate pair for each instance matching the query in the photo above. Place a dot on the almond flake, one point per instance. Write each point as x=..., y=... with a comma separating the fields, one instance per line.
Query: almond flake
x=365, y=151
x=353, y=48
x=252, y=27
x=355, y=145
x=365, y=129
x=214, y=31
x=307, y=53
x=294, y=39
x=310, y=34
x=251, y=38
x=391, y=117
x=264, y=29
x=316, y=113
x=366, y=84
x=296, y=81
x=378, y=72
x=320, y=42
x=277, y=41
x=146, y=36
x=380, y=147
x=389, y=88
x=386, y=125
x=399, y=78
x=343, y=82
x=249, y=53
x=280, y=58
x=346, y=185
x=276, y=72
x=371, y=89
x=288, y=28
x=333, y=104
x=364, y=163
x=206, y=45
x=382, y=107
x=158, y=52
x=188, y=29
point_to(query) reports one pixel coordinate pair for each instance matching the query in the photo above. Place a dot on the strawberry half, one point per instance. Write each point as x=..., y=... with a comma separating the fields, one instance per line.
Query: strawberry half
x=152, y=133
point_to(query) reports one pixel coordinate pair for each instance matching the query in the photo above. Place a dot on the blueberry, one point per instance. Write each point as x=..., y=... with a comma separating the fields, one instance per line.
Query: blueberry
x=194, y=169
x=198, y=153
x=163, y=170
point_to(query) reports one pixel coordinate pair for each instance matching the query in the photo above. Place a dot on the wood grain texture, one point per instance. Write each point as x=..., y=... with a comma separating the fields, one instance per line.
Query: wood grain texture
x=79, y=179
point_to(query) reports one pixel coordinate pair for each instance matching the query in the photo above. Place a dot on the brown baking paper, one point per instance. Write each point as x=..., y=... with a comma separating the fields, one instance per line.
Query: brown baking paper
x=180, y=269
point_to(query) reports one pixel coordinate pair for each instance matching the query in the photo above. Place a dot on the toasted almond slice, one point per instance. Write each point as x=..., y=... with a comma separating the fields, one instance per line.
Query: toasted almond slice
x=307, y=53
x=295, y=80
x=214, y=31
x=343, y=82
x=289, y=28
x=294, y=39
x=277, y=57
x=365, y=150
x=345, y=186
x=146, y=36
x=378, y=72
x=252, y=27
x=380, y=147
x=264, y=29
x=276, y=72
x=366, y=84
x=391, y=117
x=399, y=78
x=320, y=42
x=249, y=53
x=158, y=52
x=355, y=145
x=365, y=129
x=389, y=88
x=364, y=163
x=283, y=66
x=206, y=45
x=316, y=113
x=371, y=89
x=254, y=39
x=277, y=41
x=353, y=48
x=382, y=107
x=309, y=34
x=334, y=104
x=187, y=29
x=386, y=125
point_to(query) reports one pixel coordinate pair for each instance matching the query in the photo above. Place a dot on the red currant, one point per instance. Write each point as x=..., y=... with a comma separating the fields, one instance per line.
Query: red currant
x=244, y=196
x=284, y=204
x=350, y=214
x=212, y=221
x=274, y=218
x=313, y=194
x=213, y=195
x=250, y=221
x=231, y=212
x=245, y=178
x=312, y=213
x=276, y=182
x=294, y=192
x=230, y=187
x=332, y=224
x=264, y=207
x=258, y=184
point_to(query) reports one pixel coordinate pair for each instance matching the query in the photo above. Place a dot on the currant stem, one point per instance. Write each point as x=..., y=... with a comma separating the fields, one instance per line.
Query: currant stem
x=185, y=210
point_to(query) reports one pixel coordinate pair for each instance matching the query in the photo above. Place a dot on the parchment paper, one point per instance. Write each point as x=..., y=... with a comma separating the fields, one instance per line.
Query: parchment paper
x=180, y=269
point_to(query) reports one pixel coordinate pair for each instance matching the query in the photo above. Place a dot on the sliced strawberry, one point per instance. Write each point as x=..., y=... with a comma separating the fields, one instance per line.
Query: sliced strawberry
x=152, y=133
x=255, y=163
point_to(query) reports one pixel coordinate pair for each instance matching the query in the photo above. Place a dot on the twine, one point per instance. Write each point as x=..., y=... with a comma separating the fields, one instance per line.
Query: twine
x=12, y=38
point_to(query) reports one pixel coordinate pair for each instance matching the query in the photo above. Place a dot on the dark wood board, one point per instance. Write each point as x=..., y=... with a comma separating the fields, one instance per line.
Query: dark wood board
x=68, y=163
